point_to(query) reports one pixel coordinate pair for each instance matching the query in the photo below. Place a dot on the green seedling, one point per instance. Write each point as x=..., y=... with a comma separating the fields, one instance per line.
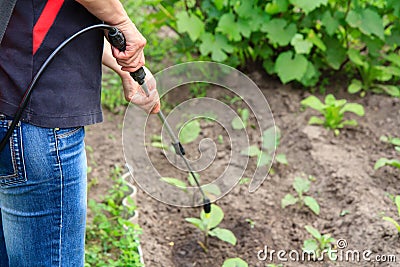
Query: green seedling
x=251, y=223
x=156, y=141
x=241, y=122
x=333, y=111
x=211, y=190
x=395, y=141
x=220, y=139
x=235, y=262
x=385, y=161
x=274, y=265
x=270, y=141
x=301, y=186
x=208, y=225
x=318, y=244
x=375, y=75
x=393, y=221
x=244, y=180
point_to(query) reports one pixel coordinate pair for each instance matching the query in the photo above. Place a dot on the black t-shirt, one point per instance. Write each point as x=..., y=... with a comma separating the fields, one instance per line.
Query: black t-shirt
x=68, y=92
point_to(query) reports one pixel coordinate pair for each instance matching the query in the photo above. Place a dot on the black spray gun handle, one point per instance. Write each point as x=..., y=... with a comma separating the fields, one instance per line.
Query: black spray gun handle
x=117, y=39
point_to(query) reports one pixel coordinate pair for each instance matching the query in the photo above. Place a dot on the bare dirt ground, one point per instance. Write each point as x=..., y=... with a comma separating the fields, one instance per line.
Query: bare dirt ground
x=352, y=195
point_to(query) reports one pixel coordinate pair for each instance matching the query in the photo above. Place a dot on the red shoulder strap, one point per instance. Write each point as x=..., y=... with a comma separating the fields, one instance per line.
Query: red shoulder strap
x=43, y=24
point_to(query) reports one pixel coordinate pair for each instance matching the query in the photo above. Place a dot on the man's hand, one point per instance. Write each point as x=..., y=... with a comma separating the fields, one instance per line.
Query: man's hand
x=133, y=57
x=135, y=94
x=112, y=12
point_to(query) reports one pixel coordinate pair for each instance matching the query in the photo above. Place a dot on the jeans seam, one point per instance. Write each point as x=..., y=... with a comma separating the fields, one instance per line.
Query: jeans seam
x=61, y=198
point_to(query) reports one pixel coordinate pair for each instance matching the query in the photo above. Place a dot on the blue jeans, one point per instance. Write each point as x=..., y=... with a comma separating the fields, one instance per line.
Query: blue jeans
x=42, y=197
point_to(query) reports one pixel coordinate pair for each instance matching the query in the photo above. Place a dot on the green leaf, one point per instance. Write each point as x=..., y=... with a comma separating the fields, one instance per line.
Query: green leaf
x=235, y=262
x=380, y=163
x=237, y=123
x=223, y=234
x=279, y=31
x=335, y=53
x=300, y=45
x=310, y=246
x=384, y=161
x=228, y=27
x=173, y=181
x=355, y=86
x=354, y=108
x=394, y=58
x=271, y=138
x=391, y=220
x=367, y=21
x=391, y=90
x=245, y=9
x=212, y=189
x=301, y=185
x=159, y=145
x=314, y=38
x=264, y=159
x=330, y=100
x=220, y=4
x=395, y=4
x=215, y=217
x=251, y=151
x=190, y=24
x=316, y=121
x=331, y=24
x=196, y=222
x=349, y=123
x=191, y=180
x=277, y=6
x=311, y=77
x=189, y=132
x=314, y=232
x=289, y=200
x=281, y=158
x=397, y=202
x=314, y=103
x=312, y=204
x=308, y=5
x=355, y=57
x=289, y=68
x=217, y=45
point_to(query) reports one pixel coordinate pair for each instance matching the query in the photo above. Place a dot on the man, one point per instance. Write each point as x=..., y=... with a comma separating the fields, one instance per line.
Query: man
x=43, y=167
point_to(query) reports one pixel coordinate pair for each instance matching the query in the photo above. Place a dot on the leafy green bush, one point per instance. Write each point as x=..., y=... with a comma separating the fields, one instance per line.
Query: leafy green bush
x=112, y=240
x=295, y=39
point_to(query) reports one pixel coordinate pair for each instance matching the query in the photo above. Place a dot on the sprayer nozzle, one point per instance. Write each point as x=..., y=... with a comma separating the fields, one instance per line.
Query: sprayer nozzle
x=207, y=207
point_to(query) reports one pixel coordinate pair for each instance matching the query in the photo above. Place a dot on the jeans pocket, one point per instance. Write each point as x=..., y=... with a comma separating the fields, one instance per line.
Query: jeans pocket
x=66, y=132
x=12, y=166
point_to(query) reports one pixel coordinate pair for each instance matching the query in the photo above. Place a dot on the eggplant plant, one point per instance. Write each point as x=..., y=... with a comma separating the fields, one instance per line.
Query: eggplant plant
x=270, y=141
x=208, y=225
x=333, y=112
x=390, y=219
x=318, y=244
x=301, y=186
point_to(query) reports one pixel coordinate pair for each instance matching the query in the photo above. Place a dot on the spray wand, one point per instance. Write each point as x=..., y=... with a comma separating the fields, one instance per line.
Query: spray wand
x=117, y=40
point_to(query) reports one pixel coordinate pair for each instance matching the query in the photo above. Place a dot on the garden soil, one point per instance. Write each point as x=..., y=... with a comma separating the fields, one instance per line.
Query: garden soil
x=352, y=195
